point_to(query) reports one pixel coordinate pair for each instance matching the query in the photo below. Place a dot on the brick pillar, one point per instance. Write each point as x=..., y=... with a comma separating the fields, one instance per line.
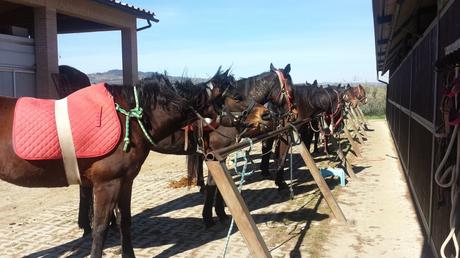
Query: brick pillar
x=129, y=55
x=46, y=56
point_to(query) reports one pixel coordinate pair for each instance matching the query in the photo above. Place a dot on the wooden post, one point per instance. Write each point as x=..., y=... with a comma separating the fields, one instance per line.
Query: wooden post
x=238, y=208
x=46, y=56
x=355, y=130
x=360, y=112
x=342, y=157
x=358, y=121
x=354, y=144
x=129, y=54
x=323, y=187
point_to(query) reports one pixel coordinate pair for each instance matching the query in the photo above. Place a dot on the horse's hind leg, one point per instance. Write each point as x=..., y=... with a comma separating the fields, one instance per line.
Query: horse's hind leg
x=105, y=198
x=209, y=195
x=124, y=205
x=85, y=211
x=219, y=206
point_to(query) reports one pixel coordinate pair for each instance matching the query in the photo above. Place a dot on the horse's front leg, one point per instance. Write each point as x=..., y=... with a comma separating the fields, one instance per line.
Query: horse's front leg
x=266, y=153
x=85, y=210
x=105, y=197
x=283, y=151
x=124, y=206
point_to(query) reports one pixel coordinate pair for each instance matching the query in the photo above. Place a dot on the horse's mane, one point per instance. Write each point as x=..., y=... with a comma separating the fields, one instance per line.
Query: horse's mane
x=154, y=90
x=312, y=97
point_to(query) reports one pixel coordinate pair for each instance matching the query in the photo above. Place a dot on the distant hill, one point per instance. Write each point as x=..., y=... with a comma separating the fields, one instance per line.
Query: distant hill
x=116, y=77
x=368, y=84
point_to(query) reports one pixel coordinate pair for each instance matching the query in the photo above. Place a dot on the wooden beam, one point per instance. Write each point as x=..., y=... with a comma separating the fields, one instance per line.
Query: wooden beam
x=129, y=55
x=85, y=9
x=343, y=158
x=382, y=41
x=354, y=144
x=238, y=209
x=46, y=58
x=323, y=187
x=358, y=121
x=384, y=19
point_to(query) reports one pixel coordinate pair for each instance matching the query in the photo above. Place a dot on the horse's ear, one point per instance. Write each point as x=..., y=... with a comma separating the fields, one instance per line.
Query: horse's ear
x=315, y=83
x=226, y=72
x=272, y=68
x=218, y=71
x=348, y=86
x=287, y=69
x=340, y=85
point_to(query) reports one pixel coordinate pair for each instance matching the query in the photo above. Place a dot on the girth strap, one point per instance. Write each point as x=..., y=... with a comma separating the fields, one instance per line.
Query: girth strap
x=64, y=133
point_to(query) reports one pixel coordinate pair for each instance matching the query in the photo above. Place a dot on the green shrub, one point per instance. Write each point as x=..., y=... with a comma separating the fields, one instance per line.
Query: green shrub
x=376, y=101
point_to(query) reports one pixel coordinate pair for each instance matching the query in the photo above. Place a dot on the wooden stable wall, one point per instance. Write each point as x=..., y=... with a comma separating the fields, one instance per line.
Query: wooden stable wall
x=413, y=98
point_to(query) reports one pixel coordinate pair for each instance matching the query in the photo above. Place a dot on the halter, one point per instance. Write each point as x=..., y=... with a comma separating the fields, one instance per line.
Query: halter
x=284, y=92
x=137, y=113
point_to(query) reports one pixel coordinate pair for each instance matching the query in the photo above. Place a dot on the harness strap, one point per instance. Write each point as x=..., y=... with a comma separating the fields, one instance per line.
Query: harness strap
x=64, y=133
x=136, y=113
x=284, y=93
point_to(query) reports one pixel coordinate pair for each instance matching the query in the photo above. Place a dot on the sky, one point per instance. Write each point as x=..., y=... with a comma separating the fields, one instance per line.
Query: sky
x=327, y=40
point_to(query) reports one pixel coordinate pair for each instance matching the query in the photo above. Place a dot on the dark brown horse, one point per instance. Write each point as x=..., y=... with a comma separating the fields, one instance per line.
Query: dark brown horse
x=167, y=108
x=273, y=87
x=235, y=103
x=311, y=101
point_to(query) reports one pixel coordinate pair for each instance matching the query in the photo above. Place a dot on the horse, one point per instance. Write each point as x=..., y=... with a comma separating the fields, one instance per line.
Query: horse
x=177, y=144
x=311, y=102
x=166, y=108
x=274, y=86
x=355, y=95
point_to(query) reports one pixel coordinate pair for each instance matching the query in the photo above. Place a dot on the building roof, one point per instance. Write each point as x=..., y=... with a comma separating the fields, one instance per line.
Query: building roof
x=134, y=10
x=397, y=27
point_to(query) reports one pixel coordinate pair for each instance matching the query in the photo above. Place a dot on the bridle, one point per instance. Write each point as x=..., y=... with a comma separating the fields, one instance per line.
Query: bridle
x=284, y=91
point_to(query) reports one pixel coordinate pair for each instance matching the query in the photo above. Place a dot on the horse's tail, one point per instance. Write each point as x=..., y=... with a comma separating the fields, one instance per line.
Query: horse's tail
x=195, y=169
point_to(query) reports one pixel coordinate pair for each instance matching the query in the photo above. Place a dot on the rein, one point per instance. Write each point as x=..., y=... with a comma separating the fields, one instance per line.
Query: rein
x=136, y=113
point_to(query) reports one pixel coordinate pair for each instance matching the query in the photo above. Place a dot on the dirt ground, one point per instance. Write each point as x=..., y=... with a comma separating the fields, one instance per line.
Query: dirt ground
x=167, y=222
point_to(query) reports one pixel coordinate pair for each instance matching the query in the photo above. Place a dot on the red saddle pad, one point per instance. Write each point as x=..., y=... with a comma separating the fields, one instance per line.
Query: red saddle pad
x=94, y=123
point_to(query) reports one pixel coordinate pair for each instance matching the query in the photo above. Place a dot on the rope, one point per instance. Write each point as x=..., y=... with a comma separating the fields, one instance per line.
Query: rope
x=242, y=174
x=133, y=113
x=440, y=176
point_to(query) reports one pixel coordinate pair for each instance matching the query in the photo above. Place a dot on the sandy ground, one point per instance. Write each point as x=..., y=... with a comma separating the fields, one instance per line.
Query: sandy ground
x=166, y=222
x=382, y=219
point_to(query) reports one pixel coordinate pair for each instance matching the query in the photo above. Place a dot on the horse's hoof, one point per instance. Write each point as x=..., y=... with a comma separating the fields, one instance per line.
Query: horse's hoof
x=128, y=254
x=202, y=189
x=265, y=174
x=86, y=232
x=209, y=223
x=281, y=185
x=223, y=217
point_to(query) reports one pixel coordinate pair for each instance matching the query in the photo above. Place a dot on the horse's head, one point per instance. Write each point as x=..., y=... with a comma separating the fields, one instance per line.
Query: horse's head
x=355, y=95
x=281, y=93
x=231, y=107
x=361, y=95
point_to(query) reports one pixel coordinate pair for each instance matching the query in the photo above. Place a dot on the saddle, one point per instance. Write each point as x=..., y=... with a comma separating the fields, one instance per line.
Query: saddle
x=94, y=125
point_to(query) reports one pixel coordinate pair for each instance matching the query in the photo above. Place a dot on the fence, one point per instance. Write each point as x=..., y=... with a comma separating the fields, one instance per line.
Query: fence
x=414, y=93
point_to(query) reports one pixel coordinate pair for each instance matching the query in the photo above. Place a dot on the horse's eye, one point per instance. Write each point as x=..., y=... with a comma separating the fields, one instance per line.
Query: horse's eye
x=239, y=98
